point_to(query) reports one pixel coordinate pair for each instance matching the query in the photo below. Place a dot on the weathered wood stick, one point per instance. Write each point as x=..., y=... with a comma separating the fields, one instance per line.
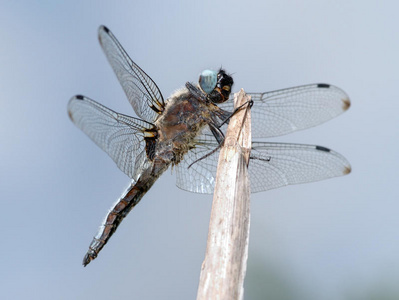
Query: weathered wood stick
x=225, y=263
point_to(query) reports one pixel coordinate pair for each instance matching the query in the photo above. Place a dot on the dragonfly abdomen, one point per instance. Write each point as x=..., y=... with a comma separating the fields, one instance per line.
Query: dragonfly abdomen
x=120, y=209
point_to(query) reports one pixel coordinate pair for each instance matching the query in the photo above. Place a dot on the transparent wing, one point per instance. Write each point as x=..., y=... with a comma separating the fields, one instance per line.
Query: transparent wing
x=120, y=136
x=283, y=111
x=279, y=164
x=272, y=165
x=141, y=91
x=201, y=176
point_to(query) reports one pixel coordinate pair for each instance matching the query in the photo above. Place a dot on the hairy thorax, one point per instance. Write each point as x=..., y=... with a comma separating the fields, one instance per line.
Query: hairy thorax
x=181, y=121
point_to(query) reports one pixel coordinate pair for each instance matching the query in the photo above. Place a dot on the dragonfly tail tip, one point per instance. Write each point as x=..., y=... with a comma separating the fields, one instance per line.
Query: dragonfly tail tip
x=87, y=259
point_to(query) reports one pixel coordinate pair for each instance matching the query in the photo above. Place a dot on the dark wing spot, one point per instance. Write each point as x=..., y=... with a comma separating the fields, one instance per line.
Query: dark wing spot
x=321, y=148
x=102, y=28
x=105, y=28
x=154, y=108
x=79, y=97
x=323, y=85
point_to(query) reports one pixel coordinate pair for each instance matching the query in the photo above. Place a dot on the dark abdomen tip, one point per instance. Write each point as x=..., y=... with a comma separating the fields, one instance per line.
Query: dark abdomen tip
x=88, y=258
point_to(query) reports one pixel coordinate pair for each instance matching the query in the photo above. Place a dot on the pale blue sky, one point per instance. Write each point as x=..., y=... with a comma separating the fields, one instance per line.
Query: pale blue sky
x=335, y=239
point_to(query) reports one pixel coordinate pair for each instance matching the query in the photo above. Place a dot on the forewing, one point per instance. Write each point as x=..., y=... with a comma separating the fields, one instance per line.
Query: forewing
x=141, y=91
x=120, y=136
x=283, y=111
x=272, y=165
x=278, y=164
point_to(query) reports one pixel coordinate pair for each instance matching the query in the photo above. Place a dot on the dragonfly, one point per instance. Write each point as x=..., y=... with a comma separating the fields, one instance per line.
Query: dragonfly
x=186, y=130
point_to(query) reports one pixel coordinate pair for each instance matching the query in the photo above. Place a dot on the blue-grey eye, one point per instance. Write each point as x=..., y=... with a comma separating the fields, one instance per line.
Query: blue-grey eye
x=208, y=80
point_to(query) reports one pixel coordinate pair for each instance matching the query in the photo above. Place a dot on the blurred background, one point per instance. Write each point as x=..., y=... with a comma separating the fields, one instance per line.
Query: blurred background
x=335, y=239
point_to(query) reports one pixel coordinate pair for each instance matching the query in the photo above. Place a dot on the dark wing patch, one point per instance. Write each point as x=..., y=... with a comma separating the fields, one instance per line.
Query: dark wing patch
x=323, y=85
x=120, y=136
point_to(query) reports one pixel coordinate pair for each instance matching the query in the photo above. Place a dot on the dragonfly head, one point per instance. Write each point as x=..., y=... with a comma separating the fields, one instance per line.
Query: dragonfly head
x=216, y=85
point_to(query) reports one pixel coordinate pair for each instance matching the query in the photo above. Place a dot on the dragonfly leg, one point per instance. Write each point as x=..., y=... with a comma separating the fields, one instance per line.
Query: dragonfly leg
x=246, y=105
x=196, y=92
x=219, y=136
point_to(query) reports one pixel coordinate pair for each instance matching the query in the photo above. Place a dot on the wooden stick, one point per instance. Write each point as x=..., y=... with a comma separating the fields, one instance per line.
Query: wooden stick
x=225, y=263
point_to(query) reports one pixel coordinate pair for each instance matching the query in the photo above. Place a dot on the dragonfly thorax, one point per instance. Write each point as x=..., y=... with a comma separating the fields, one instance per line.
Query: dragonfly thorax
x=179, y=124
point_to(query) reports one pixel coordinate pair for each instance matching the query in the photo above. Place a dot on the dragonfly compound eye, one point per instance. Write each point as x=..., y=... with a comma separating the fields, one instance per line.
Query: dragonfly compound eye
x=208, y=80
